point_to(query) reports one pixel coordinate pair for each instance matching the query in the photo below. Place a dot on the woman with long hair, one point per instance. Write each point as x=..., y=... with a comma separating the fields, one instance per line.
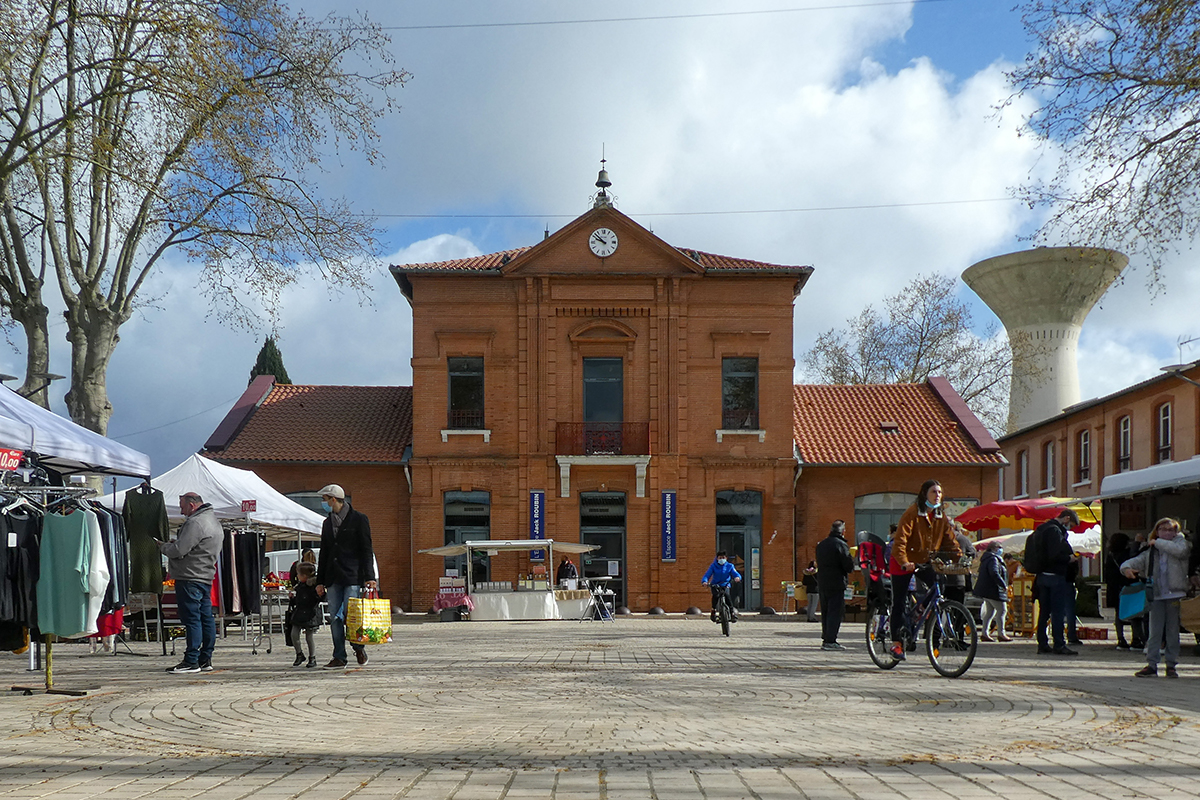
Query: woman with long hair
x=923, y=529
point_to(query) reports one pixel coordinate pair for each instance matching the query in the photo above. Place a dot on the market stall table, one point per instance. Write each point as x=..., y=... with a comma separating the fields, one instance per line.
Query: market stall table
x=514, y=605
x=528, y=604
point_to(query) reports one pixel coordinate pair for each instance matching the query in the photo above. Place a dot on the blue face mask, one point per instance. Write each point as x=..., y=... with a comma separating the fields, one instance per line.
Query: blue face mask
x=325, y=507
x=720, y=561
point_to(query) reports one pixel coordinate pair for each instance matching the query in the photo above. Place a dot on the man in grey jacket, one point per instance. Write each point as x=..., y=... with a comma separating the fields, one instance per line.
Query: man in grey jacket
x=192, y=561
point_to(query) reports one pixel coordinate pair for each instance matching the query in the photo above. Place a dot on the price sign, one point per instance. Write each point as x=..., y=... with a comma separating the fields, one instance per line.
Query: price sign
x=10, y=459
x=249, y=506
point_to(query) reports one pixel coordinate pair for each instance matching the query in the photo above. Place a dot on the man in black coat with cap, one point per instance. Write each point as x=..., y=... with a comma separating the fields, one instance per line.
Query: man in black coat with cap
x=834, y=566
x=346, y=565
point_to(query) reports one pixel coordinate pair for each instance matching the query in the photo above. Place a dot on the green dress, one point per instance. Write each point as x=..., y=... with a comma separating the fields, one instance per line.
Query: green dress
x=145, y=516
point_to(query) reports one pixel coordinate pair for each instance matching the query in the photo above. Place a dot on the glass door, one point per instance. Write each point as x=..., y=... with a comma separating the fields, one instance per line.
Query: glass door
x=739, y=533
x=468, y=519
x=602, y=522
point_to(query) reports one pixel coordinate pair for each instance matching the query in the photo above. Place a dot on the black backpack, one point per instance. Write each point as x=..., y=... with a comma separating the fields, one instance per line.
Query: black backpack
x=1035, y=552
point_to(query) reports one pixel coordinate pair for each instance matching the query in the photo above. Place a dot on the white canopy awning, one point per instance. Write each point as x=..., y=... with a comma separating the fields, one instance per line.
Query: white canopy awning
x=1159, y=476
x=510, y=544
x=226, y=488
x=62, y=445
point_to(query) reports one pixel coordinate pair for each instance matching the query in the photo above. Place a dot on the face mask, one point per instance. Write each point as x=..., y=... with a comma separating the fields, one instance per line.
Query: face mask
x=720, y=561
x=325, y=507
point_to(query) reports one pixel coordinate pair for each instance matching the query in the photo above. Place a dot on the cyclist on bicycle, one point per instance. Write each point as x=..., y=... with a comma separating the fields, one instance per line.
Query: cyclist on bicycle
x=718, y=577
x=923, y=529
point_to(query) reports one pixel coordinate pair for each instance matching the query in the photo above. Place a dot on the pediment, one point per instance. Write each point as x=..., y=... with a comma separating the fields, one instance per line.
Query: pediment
x=603, y=330
x=639, y=252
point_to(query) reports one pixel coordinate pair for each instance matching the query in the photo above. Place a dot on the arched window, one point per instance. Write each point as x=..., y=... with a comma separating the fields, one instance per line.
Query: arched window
x=1124, y=444
x=1163, y=430
x=1048, y=467
x=1083, y=456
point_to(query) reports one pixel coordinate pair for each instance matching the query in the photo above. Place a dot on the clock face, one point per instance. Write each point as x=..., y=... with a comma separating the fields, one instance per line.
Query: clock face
x=603, y=242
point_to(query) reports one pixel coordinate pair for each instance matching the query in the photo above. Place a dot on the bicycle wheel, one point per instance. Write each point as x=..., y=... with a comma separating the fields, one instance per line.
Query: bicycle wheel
x=879, y=638
x=951, y=638
x=723, y=615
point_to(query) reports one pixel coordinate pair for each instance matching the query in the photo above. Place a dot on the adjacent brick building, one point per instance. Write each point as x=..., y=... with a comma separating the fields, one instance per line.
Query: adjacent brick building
x=864, y=452
x=1154, y=422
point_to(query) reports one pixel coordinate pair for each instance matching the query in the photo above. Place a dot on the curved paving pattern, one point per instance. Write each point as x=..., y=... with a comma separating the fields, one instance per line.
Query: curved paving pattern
x=449, y=708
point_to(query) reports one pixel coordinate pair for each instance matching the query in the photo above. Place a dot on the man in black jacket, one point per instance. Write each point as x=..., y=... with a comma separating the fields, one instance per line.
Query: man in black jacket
x=834, y=565
x=1056, y=569
x=345, y=566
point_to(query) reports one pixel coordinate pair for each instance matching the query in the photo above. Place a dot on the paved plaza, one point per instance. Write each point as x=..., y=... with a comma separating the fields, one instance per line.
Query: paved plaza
x=640, y=708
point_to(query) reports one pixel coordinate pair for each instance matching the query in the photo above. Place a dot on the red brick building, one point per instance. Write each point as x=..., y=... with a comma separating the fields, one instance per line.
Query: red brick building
x=301, y=438
x=1146, y=426
x=607, y=387
x=864, y=452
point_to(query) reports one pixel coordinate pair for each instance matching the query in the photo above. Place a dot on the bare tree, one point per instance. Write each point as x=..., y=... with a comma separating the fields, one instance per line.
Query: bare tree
x=175, y=125
x=924, y=332
x=1119, y=85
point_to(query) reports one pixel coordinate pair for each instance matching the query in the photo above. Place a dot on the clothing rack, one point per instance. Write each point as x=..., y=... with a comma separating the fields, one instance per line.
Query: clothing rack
x=40, y=496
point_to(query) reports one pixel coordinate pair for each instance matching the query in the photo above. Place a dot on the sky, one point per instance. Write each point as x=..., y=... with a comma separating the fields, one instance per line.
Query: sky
x=861, y=138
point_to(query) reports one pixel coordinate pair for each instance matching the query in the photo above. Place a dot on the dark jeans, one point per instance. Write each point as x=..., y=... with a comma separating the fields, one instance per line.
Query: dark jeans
x=833, y=608
x=1053, y=602
x=900, y=582
x=195, y=612
x=956, y=593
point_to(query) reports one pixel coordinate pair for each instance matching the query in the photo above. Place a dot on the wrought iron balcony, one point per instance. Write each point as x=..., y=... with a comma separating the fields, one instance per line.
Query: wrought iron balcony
x=471, y=419
x=603, y=439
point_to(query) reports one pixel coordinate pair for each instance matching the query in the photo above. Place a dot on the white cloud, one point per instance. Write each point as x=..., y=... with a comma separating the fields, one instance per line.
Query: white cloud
x=780, y=111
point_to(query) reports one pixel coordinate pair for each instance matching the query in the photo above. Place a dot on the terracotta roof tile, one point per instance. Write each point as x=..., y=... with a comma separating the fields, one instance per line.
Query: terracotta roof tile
x=492, y=262
x=484, y=263
x=854, y=425
x=327, y=424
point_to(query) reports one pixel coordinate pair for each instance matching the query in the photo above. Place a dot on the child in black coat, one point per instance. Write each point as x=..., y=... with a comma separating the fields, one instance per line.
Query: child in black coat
x=306, y=612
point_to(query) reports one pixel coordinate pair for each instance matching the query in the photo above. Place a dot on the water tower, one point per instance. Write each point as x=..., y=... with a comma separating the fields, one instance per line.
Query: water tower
x=1042, y=296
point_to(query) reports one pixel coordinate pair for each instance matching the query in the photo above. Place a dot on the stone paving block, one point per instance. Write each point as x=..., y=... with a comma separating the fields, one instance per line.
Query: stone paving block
x=645, y=697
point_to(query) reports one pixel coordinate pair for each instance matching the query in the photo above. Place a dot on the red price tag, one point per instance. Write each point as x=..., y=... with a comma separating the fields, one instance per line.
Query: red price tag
x=10, y=459
x=249, y=505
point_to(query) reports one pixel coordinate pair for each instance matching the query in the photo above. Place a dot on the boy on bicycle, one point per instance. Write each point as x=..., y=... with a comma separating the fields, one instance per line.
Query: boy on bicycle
x=718, y=577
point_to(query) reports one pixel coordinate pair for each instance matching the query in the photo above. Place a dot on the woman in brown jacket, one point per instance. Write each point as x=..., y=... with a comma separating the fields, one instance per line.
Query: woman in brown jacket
x=923, y=529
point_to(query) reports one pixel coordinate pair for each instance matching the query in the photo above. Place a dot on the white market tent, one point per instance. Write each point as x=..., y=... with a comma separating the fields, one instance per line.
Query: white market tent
x=62, y=445
x=1086, y=542
x=225, y=488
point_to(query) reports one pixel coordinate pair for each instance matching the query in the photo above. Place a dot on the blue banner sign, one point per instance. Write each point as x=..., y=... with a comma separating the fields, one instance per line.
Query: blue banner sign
x=668, y=526
x=537, y=522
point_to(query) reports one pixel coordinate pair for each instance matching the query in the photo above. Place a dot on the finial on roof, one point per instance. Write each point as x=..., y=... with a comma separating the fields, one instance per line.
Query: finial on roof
x=602, y=199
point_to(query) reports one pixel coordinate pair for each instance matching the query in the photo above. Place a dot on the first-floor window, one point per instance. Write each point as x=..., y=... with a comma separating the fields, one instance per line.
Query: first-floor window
x=1124, y=444
x=1048, y=466
x=1083, y=457
x=739, y=393
x=1022, y=473
x=466, y=392
x=1164, y=433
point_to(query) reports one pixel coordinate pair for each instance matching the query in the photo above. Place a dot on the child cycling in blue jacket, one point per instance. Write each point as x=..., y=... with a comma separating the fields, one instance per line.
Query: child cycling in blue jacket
x=718, y=577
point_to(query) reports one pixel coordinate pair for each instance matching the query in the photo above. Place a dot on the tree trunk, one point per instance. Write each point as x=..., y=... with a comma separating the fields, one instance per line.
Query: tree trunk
x=21, y=289
x=93, y=336
x=37, y=355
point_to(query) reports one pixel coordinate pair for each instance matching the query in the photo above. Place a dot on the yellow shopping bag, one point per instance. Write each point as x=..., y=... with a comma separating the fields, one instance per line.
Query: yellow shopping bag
x=369, y=619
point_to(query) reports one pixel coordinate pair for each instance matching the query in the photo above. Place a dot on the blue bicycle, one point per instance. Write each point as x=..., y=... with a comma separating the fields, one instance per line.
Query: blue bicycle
x=951, y=636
